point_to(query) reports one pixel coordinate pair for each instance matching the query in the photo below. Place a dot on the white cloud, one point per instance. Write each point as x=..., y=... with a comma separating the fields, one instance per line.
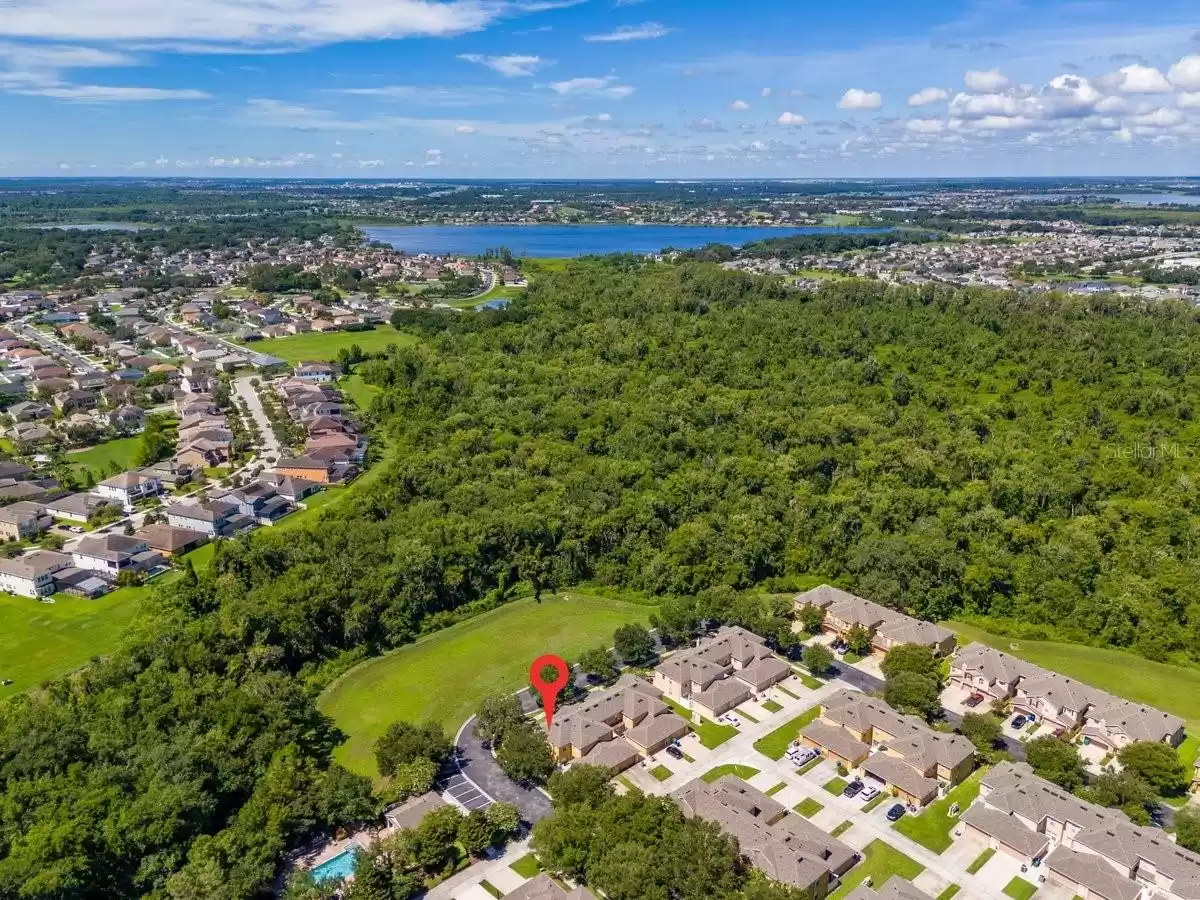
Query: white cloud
x=370, y=163
x=926, y=96
x=924, y=126
x=603, y=87
x=856, y=98
x=98, y=93
x=644, y=32
x=465, y=129
x=739, y=106
x=1185, y=74
x=1190, y=100
x=765, y=92
x=789, y=118
x=1159, y=118
x=511, y=66
x=985, y=82
x=1137, y=79
x=213, y=24
x=59, y=56
x=1122, y=136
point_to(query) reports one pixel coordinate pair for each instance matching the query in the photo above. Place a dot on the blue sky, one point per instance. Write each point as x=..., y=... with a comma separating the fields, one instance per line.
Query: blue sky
x=598, y=88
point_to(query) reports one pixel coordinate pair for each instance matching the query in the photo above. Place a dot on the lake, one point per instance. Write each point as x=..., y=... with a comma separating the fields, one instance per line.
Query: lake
x=549, y=241
x=1158, y=199
x=90, y=226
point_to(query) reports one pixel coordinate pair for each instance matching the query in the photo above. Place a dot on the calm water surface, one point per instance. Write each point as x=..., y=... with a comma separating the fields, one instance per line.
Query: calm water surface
x=577, y=240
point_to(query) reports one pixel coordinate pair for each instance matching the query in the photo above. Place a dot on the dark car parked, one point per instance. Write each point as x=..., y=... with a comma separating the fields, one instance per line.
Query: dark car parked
x=974, y=700
x=674, y=752
x=852, y=788
x=1019, y=722
x=896, y=811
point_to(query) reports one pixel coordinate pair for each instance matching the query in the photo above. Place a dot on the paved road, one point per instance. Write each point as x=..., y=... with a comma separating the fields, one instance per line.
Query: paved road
x=477, y=764
x=245, y=390
x=55, y=347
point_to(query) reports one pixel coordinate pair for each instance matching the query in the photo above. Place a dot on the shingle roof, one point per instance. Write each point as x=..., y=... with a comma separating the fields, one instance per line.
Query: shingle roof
x=1007, y=829
x=897, y=772
x=822, y=597
x=994, y=665
x=1093, y=873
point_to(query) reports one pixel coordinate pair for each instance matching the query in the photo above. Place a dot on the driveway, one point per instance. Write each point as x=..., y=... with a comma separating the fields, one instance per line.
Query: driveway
x=476, y=763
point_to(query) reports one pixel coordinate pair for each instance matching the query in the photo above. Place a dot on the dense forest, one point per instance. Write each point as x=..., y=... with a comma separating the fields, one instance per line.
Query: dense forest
x=675, y=430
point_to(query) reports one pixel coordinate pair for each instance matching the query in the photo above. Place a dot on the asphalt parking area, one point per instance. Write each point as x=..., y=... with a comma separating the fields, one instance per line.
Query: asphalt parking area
x=464, y=792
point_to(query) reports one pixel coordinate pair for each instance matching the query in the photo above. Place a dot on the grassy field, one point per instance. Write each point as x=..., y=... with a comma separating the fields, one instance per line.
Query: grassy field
x=99, y=459
x=808, y=807
x=354, y=388
x=1020, y=889
x=1172, y=688
x=500, y=292
x=774, y=744
x=444, y=676
x=661, y=773
x=711, y=734
x=931, y=829
x=527, y=866
x=743, y=772
x=324, y=347
x=880, y=861
x=835, y=785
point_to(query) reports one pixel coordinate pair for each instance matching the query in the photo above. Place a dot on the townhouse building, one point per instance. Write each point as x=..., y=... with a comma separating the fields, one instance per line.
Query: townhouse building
x=889, y=628
x=723, y=671
x=901, y=752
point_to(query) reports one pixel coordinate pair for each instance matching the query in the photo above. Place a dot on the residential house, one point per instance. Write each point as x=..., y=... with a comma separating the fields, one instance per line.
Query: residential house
x=845, y=611
x=784, y=846
x=617, y=727
x=1055, y=698
x=1089, y=850
x=911, y=759
x=10, y=489
x=14, y=470
x=30, y=411
x=308, y=469
x=258, y=501
x=980, y=669
x=294, y=489
x=32, y=575
x=543, y=887
x=895, y=888
x=170, y=471
x=129, y=488
x=1113, y=722
x=22, y=520
x=169, y=540
x=723, y=671
x=316, y=372
x=111, y=554
x=214, y=518
x=75, y=400
x=79, y=507
x=128, y=418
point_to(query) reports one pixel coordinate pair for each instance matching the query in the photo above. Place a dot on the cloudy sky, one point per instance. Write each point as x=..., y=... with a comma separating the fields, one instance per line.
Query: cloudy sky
x=604, y=88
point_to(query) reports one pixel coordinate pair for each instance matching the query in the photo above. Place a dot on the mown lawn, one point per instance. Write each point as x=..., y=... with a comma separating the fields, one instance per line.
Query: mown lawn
x=711, y=734
x=527, y=866
x=775, y=743
x=661, y=773
x=1175, y=689
x=354, y=388
x=444, y=676
x=931, y=829
x=1020, y=889
x=100, y=459
x=808, y=807
x=835, y=785
x=880, y=861
x=743, y=772
x=324, y=347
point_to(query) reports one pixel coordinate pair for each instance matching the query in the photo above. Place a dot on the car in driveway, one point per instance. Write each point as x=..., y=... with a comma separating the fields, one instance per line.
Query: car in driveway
x=895, y=812
x=852, y=788
x=674, y=752
x=869, y=793
x=1019, y=721
x=973, y=701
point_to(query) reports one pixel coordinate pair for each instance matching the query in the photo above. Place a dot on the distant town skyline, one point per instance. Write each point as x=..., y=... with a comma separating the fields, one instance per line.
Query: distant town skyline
x=624, y=89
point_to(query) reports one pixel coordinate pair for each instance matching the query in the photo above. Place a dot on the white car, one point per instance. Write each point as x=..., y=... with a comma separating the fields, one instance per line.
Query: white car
x=868, y=793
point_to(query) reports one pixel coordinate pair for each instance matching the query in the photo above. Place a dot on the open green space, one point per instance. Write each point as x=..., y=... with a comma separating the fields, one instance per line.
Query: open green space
x=354, y=388
x=44, y=640
x=949, y=892
x=808, y=807
x=743, y=772
x=931, y=829
x=775, y=743
x=880, y=862
x=499, y=292
x=980, y=861
x=661, y=773
x=527, y=866
x=101, y=458
x=325, y=346
x=875, y=801
x=771, y=792
x=835, y=785
x=1020, y=889
x=1175, y=689
x=842, y=828
x=771, y=706
x=443, y=677
x=745, y=715
x=711, y=734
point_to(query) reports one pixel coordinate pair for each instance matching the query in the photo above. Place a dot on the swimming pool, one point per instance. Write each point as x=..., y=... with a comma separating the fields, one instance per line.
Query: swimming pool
x=338, y=866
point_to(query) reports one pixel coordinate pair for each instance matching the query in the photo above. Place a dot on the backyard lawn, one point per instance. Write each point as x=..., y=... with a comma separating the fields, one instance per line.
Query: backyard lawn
x=527, y=866
x=1175, y=689
x=101, y=458
x=443, y=677
x=775, y=743
x=931, y=829
x=325, y=346
x=880, y=861
x=743, y=772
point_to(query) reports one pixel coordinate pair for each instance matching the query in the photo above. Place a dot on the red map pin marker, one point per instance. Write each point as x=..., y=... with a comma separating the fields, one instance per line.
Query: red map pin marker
x=549, y=689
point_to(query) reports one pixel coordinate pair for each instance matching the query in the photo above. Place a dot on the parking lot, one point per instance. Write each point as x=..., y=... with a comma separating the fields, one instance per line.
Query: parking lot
x=463, y=792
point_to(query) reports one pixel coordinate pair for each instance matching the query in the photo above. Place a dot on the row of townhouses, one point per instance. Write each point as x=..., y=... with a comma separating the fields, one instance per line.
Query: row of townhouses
x=334, y=448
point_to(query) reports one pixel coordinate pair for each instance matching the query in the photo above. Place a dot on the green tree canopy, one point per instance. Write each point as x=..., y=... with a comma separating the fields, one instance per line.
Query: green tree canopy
x=1056, y=760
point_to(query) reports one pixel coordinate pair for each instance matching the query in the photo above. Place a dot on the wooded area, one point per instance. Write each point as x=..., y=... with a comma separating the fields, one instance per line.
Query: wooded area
x=676, y=430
